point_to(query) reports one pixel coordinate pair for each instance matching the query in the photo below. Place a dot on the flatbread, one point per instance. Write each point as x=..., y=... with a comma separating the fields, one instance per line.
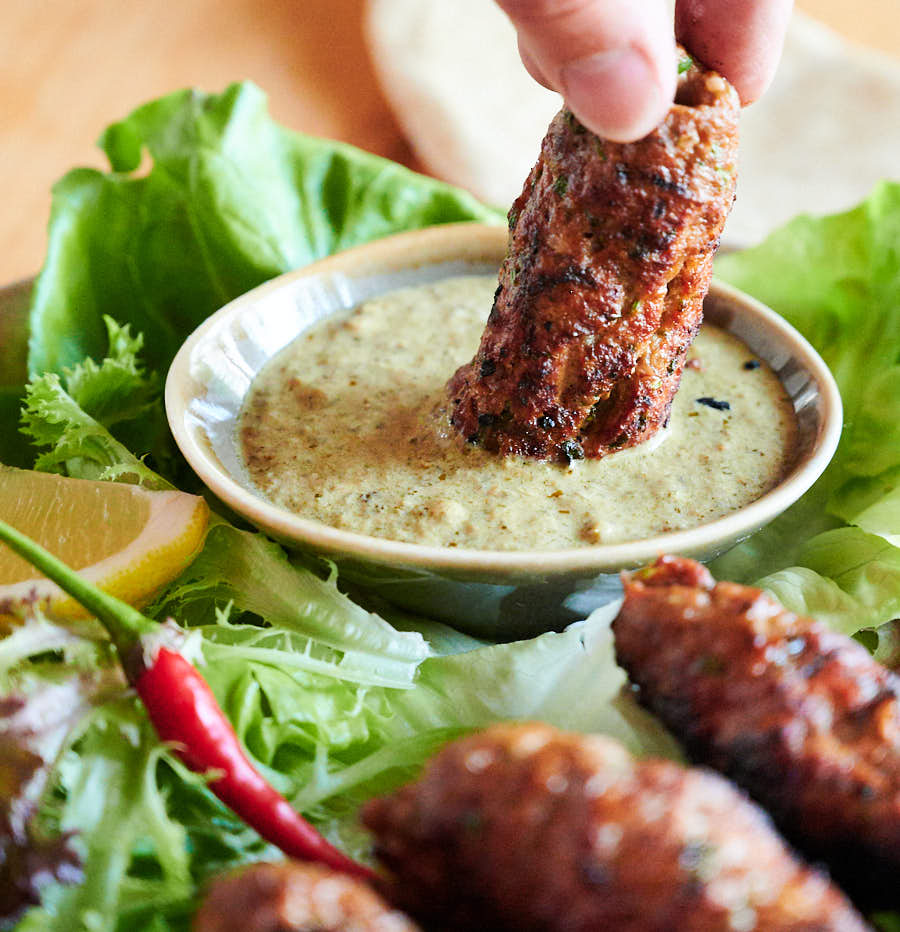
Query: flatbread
x=824, y=134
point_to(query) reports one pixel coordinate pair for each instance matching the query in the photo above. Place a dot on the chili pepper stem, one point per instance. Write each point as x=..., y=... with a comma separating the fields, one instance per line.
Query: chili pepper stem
x=124, y=624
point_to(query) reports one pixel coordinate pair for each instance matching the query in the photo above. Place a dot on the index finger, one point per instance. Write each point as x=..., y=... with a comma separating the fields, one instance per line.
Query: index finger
x=741, y=39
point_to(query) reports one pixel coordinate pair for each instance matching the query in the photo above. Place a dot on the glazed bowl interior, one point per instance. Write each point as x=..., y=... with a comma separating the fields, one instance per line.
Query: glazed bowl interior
x=497, y=594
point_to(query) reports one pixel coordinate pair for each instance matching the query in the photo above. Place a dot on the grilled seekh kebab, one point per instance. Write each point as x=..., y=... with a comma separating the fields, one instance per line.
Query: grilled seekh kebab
x=801, y=717
x=601, y=292
x=293, y=896
x=526, y=828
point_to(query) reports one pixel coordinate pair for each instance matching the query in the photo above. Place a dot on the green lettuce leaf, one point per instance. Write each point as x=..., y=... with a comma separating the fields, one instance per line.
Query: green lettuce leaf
x=323, y=626
x=836, y=553
x=77, y=444
x=119, y=389
x=207, y=198
x=106, y=420
x=15, y=301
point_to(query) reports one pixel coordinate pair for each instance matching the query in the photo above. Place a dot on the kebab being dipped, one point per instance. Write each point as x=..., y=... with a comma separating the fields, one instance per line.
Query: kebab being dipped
x=601, y=292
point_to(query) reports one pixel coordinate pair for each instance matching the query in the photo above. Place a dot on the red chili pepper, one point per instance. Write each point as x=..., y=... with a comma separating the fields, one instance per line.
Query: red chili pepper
x=184, y=711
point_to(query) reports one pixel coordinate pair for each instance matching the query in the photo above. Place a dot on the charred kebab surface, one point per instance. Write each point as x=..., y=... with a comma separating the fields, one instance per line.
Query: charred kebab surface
x=524, y=827
x=295, y=897
x=801, y=717
x=601, y=293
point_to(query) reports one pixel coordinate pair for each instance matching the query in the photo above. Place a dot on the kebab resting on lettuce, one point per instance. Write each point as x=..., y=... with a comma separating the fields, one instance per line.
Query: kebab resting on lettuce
x=802, y=717
x=523, y=827
x=601, y=292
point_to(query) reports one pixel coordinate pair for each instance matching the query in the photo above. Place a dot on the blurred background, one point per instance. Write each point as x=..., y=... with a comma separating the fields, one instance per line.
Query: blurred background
x=69, y=68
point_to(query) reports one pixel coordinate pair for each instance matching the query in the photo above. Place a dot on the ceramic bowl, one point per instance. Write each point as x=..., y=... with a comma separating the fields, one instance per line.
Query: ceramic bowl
x=494, y=594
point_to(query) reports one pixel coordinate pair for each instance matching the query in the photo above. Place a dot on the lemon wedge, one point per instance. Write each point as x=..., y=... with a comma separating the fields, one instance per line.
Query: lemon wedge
x=127, y=540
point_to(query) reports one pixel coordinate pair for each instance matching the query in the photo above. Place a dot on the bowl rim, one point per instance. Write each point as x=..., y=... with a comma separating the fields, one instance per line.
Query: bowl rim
x=473, y=242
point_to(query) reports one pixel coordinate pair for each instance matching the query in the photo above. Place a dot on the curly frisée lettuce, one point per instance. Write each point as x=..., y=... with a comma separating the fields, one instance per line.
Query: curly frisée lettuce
x=71, y=416
x=324, y=629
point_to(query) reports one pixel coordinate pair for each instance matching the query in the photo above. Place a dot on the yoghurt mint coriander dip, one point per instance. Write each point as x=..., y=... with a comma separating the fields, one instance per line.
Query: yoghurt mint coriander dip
x=349, y=426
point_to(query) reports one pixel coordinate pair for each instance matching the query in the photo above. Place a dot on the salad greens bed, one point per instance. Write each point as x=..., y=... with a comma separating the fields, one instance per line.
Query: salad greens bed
x=206, y=198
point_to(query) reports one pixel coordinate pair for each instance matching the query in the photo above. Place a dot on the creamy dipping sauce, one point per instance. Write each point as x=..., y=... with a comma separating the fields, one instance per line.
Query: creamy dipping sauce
x=348, y=426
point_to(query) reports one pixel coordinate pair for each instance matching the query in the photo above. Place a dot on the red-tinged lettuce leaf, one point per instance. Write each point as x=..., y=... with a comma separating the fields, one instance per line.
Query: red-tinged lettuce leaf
x=38, y=719
x=27, y=863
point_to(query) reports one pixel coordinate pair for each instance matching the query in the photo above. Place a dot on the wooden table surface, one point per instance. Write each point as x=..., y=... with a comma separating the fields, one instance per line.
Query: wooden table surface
x=69, y=68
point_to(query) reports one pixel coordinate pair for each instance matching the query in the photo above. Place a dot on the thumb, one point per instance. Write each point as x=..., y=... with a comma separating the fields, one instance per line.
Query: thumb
x=612, y=60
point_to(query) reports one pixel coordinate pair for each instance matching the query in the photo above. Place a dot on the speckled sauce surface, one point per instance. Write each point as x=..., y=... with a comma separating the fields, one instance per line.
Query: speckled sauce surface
x=348, y=425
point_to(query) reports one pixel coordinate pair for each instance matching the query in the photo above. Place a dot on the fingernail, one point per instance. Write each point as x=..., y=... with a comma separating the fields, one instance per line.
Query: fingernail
x=615, y=93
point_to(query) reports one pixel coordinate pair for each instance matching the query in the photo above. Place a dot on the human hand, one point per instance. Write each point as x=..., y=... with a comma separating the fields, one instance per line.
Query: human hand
x=614, y=60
